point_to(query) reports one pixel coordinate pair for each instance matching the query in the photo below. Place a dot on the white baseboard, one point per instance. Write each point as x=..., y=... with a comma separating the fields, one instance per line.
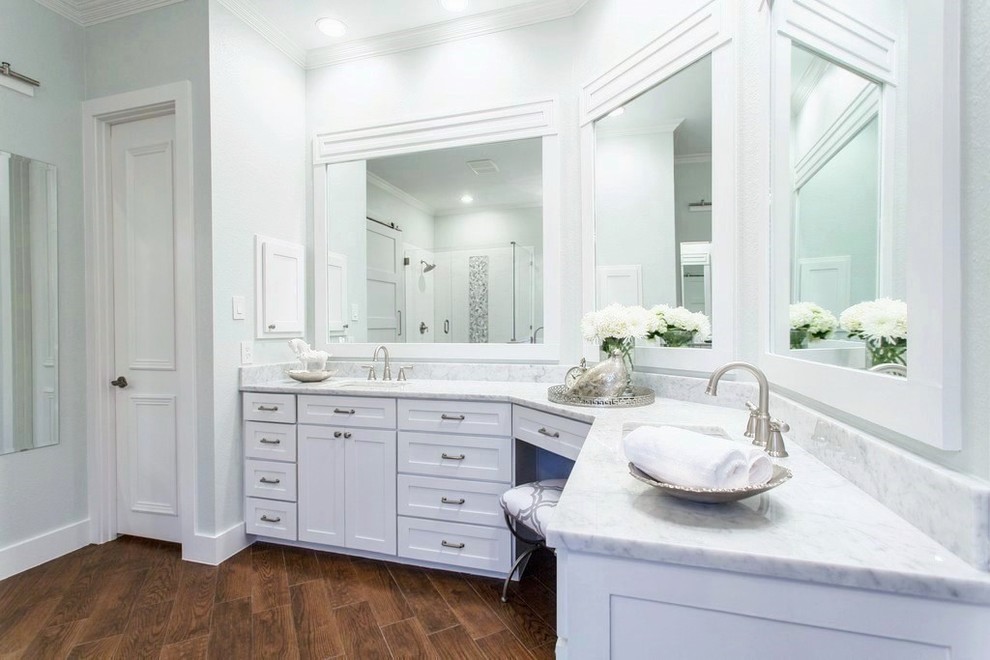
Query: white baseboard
x=28, y=553
x=212, y=550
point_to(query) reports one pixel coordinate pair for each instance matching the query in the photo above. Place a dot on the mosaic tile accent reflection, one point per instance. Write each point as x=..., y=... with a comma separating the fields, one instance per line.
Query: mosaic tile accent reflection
x=478, y=300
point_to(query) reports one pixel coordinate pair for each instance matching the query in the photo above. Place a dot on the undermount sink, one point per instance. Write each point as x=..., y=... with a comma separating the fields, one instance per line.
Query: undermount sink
x=372, y=384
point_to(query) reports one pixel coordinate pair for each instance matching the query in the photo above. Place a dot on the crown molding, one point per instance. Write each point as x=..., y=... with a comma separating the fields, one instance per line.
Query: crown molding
x=398, y=192
x=438, y=33
x=806, y=84
x=92, y=12
x=652, y=129
x=248, y=12
x=690, y=159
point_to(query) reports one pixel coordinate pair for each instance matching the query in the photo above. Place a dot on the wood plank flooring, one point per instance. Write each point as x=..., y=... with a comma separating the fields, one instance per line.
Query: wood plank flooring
x=134, y=599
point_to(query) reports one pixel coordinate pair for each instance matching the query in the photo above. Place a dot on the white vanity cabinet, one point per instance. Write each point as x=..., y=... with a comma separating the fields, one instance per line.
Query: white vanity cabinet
x=347, y=474
x=454, y=461
x=270, y=465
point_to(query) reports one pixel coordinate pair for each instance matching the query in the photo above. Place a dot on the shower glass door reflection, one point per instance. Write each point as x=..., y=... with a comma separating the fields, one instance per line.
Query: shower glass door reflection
x=470, y=296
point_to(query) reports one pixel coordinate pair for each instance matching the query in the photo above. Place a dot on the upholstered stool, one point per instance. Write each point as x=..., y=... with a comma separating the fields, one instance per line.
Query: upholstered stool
x=531, y=506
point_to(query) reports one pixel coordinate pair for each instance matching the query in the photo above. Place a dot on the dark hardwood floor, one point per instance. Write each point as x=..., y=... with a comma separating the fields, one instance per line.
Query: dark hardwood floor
x=135, y=598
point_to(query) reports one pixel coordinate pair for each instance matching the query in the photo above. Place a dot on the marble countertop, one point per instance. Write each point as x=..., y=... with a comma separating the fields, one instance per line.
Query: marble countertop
x=818, y=527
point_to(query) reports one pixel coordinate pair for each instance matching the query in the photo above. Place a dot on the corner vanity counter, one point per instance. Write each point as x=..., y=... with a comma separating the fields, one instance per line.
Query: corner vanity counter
x=413, y=470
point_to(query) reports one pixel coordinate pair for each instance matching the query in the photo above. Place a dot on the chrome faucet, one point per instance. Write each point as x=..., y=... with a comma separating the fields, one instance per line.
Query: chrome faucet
x=387, y=373
x=766, y=431
x=536, y=333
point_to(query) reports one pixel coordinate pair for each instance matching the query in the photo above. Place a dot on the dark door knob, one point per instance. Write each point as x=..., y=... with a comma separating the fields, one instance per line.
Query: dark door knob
x=119, y=381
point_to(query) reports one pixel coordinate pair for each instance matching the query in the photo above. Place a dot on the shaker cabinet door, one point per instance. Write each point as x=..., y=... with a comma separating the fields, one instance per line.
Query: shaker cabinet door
x=322, y=468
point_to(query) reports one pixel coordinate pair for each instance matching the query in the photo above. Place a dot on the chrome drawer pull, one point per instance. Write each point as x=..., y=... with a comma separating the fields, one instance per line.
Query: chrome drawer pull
x=555, y=434
x=265, y=480
x=266, y=441
x=265, y=518
x=341, y=411
x=459, y=457
x=447, y=500
x=268, y=408
x=452, y=418
x=457, y=546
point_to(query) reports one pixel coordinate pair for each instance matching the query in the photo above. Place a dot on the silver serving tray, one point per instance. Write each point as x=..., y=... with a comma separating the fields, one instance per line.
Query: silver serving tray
x=304, y=376
x=713, y=495
x=635, y=396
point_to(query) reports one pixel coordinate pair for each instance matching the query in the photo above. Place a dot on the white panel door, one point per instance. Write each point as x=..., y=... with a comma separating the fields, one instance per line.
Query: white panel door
x=370, y=511
x=826, y=281
x=322, y=463
x=622, y=285
x=384, y=283
x=145, y=327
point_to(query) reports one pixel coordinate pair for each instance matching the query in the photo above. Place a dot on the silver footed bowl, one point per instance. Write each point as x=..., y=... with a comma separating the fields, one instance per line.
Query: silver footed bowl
x=304, y=376
x=713, y=495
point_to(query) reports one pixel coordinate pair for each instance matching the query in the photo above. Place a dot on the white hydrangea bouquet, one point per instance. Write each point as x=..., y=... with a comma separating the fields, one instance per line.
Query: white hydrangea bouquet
x=617, y=327
x=810, y=321
x=679, y=326
x=883, y=324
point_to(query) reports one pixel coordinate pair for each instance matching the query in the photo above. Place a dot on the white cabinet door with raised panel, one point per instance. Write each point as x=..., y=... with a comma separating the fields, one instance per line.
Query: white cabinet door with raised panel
x=370, y=516
x=321, y=478
x=281, y=292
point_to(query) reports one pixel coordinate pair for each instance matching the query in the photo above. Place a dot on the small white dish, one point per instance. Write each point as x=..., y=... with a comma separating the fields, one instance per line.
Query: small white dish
x=304, y=376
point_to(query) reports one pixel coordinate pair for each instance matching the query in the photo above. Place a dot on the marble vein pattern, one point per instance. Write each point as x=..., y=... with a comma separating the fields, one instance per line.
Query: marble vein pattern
x=819, y=527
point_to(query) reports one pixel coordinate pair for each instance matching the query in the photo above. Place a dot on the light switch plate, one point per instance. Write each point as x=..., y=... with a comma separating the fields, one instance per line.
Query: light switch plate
x=354, y=313
x=247, y=352
x=237, y=308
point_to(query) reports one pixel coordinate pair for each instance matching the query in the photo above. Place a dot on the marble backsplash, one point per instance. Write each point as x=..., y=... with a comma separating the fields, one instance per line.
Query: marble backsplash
x=952, y=508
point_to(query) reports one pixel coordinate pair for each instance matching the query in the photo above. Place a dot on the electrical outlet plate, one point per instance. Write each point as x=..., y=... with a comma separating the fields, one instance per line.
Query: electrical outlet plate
x=247, y=352
x=355, y=314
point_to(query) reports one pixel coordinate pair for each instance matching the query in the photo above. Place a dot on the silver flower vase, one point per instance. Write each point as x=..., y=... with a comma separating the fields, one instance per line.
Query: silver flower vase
x=608, y=378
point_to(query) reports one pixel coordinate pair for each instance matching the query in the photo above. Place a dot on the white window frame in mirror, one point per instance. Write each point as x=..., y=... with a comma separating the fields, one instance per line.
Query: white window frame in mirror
x=533, y=119
x=926, y=405
x=708, y=30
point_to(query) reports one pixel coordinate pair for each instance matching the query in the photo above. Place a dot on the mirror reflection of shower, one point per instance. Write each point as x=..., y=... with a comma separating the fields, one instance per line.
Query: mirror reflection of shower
x=427, y=267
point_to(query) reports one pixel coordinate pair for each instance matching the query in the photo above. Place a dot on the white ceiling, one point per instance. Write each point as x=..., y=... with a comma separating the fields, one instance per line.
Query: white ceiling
x=368, y=18
x=687, y=96
x=439, y=179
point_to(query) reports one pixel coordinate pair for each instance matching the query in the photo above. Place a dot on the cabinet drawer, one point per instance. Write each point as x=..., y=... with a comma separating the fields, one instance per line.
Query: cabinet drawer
x=271, y=442
x=557, y=434
x=262, y=407
x=270, y=518
x=472, y=417
x=270, y=479
x=451, y=499
x=459, y=456
x=347, y=411
x=487, y=548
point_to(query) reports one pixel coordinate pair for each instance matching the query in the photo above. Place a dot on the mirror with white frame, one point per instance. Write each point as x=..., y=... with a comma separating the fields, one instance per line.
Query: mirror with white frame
x=653, y=206
x=864, y=111
x=847, y=302
x=28, y=304
x=438, y=247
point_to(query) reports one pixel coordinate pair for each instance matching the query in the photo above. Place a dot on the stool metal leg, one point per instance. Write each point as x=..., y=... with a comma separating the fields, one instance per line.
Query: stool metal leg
x=515, y=566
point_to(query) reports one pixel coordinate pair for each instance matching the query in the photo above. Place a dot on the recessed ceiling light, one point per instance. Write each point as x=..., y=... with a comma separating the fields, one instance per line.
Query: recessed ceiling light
x=331, y=27
x=454, y=5
x=467, y=199
x=618, y=112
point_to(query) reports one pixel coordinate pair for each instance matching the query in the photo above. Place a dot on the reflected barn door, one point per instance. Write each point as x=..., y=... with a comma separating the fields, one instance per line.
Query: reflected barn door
x=385, y=285
x=142, y=182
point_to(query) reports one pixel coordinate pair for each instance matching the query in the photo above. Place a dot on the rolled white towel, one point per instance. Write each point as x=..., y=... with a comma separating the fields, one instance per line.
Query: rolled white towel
x=685, y=458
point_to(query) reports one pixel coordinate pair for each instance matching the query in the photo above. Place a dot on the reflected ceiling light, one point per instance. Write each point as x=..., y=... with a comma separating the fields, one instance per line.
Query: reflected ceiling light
x=467, y=198
x=454, y=5
x=331, y=27
x=618, y=112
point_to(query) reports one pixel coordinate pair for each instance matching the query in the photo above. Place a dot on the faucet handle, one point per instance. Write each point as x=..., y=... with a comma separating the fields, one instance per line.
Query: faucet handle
x=371, y=371
x=775, y=445
x=402, y=372
x=754, y=413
